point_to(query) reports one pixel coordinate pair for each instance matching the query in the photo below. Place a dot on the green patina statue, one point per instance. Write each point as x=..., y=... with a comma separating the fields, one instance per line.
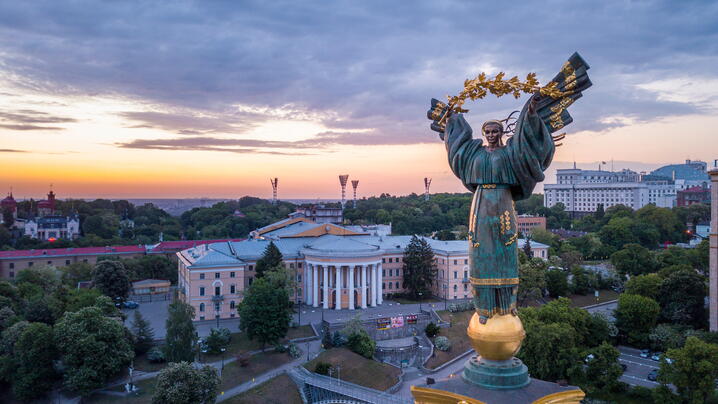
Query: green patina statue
x=500, y=173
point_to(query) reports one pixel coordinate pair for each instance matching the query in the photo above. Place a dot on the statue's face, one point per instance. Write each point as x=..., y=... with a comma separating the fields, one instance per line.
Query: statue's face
x=493, y=134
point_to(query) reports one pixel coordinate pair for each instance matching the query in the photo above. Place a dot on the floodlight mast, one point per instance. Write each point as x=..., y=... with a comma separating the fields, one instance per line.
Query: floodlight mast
x=427, y=184
x=355, y=185
x=343, y=182
x=275, y=182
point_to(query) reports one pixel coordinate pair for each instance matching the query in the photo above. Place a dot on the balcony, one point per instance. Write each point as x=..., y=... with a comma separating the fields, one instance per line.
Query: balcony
x=217, y=298
x=465, y=280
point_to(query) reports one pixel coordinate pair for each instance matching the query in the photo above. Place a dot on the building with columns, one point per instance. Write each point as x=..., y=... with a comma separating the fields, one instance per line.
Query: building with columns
x=333, y=268
x=713, y=251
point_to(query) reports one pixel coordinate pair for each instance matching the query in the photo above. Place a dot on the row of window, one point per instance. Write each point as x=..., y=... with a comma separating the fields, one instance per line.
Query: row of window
x=390, y=260
x=232, y=305
x=456, y=274
x=217, y=275
x=218, y=290
x=11, y=265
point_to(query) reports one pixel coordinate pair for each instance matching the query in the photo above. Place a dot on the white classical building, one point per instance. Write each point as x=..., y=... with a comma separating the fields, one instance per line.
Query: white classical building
x=333, y=267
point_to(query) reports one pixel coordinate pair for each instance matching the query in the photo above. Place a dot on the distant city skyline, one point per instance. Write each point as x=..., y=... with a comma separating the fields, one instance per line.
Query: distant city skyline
x=190, y=99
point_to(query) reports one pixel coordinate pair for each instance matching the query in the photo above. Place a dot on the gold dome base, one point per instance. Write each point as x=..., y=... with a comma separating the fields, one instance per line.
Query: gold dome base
x=499, y=339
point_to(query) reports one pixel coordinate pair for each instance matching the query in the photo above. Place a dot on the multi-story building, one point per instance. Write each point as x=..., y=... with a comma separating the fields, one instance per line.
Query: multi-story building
x=333, y=267
x=582, y=191
x=527, y=223
x=692, y=195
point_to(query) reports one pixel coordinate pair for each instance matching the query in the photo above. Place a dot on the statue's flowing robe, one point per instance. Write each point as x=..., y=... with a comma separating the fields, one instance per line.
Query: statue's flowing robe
x=497, y=179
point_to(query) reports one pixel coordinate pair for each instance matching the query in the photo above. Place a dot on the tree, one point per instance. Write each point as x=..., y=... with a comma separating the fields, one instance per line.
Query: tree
x=143, y=333
x=111, y=279
x=693, y=371
x=549, y=349
x=667, y=336
x=419, y=267
x=218, y=339
x=633, y=259
x=617, y=232
x=527, y=247
x=603, y=370
x=181, y=383
x=362, y=344
x=34, y=355
x=581, y=283
x=682, y=298
x=635, y=317
x=271, y=258
x=180, y=338
x=151, y=267
x=644, y=285
x=80, y=298
x=8, y=218
x=265, y=312
x=532, y=280
x=93, y=348
x=556, y=283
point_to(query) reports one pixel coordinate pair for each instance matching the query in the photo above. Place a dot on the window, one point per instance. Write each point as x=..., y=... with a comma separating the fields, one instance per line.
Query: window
x=456, y=274
x=201, y=290
x=85, y=260
x=67, y=262
x=383, y=272
x=233, y=289
x=232, y=274
x=12, y=274
x=382, y=285
x=465, y=285
x=456, y=262
x=299, y=277
x=390, y=260
x=49, y=262
x=251, y=267
x=466, y=262
x=397, y=285
x=383, y=260
x=232, y=304
x=201, y=318
x=216, y=275
x=291, y=266
x=201, y=307
x=12, y=265
x=217, y=291
x=456, y=287
x=201, y=276
x=29, y=264
x=216, y=307
x=398, y=259
x=466, y=274
x=390, y=285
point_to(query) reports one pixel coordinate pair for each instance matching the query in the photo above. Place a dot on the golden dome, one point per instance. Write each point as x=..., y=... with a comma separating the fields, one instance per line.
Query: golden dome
x=499, y=339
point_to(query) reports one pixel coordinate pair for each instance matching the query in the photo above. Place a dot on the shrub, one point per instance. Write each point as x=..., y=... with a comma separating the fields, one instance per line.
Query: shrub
x=432, y=330
x=327, y=340
x=294, y=351
x=280, y=348
x=243, y=359
x=322, y=368
x=362, y=344
x=218, y=338
x=442, y=343
x=156, y=355
x=640, y=392
x=338, y=339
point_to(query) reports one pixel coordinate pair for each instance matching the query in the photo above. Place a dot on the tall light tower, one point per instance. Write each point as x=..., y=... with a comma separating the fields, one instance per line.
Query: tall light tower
x=427, y=184
x=274, y=182
x=355, y=184
x=343, y=182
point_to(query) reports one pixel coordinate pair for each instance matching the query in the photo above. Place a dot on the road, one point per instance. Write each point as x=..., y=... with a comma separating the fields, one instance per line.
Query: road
x=637, y=368
x=606, y=309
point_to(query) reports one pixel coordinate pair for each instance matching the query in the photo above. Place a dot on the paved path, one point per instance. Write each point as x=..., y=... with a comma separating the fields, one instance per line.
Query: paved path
x=414, y=376
x=606, y=309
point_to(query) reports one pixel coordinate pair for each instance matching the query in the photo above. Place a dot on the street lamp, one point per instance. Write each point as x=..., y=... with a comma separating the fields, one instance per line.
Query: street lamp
x=420, y=294
x=222, y=370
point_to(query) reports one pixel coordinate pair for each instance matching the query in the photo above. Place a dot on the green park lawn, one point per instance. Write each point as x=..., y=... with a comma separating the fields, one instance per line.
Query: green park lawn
x=589, y=299
x=456, y=334
x=233, y=374
x=240, y=343
x=280, y=389
x=358, y=369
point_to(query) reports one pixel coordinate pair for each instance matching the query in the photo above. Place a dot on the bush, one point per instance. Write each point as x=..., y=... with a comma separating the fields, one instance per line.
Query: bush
x=218, y=338
x=280, y=348
x=362, y=344
x=294, y=351
x=327, y=340
x=243, y=359
x=338, y=339
x=432, y=330
x=640, y=392
x=156, y=355
x=442, y=343
x=322, y=368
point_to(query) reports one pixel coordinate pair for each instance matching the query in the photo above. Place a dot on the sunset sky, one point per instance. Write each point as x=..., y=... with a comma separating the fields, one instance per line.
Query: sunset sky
x=131, y=99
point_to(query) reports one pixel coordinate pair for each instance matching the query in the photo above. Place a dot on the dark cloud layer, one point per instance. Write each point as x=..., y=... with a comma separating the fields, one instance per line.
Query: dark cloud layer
x=373, y=63
x=27, y=120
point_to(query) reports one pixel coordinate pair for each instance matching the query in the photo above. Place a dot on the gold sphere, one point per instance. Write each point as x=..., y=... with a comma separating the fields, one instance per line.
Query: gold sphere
x=499, y=339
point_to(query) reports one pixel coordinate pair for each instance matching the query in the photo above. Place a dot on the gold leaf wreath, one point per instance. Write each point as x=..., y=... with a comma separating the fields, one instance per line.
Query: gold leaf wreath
x=480, y=86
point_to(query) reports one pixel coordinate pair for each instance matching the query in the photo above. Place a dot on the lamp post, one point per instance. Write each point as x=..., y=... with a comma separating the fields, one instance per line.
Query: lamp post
x=216, y=313
x=420, y=294
x=222, y=369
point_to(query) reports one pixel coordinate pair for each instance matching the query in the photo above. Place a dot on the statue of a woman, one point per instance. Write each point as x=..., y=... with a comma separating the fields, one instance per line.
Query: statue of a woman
x=499, y=173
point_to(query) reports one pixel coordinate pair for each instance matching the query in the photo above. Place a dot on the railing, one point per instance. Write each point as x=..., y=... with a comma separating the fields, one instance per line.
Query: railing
x=217, y=298
x=345, y=388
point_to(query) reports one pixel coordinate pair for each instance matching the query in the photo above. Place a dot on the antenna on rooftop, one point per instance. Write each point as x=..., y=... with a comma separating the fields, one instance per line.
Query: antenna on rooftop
x=355, y=185
x=427, y=184
x=274, y=182
x=343, y=182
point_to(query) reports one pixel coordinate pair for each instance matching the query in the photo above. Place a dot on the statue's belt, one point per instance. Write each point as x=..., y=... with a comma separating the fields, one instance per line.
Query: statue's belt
x=493, y=186
x=493, y=281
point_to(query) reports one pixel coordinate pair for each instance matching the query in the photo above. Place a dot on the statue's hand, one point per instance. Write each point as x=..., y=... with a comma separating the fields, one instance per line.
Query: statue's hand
x=439, y=114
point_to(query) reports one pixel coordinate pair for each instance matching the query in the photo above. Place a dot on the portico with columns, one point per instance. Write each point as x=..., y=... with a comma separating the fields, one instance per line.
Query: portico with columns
x=343, y=274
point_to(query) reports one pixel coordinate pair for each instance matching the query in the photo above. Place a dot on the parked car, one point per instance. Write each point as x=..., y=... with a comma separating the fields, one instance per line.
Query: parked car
x=645, y=353
x=656, y=356
x=131, y=305
x=653, y=375
x=589, y=358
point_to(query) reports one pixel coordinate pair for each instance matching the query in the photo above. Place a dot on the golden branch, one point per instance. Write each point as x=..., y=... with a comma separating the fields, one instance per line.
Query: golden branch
x=481, y=86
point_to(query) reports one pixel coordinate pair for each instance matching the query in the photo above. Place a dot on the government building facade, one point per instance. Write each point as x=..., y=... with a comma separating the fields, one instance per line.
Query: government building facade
x=334, y=267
